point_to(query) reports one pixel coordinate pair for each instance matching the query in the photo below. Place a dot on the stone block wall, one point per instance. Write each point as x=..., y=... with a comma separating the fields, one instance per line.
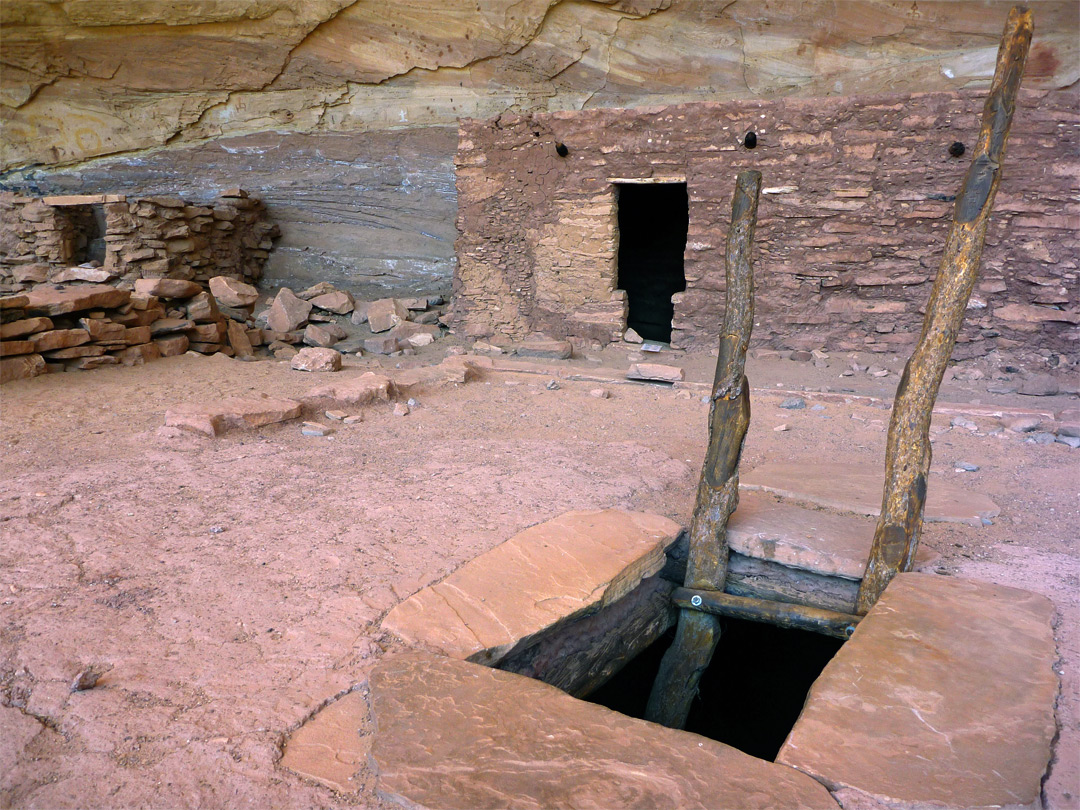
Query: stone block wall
x=857, y=202
x=150, y=237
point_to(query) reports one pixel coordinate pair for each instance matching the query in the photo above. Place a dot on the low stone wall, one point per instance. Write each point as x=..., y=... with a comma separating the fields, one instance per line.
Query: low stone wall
x=852, y=222
x=150, y=237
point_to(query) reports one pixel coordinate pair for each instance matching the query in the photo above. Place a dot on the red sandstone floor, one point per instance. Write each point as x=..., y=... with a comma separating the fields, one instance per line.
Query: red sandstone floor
x=231, y=586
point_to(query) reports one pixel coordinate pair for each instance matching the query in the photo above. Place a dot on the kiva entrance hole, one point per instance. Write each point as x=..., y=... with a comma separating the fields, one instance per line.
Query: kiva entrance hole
x=653, y=221
x=752, y=692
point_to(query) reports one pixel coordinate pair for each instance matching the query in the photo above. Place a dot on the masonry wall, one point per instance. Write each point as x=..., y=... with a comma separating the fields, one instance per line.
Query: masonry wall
x=150, y=237
x=852, y=221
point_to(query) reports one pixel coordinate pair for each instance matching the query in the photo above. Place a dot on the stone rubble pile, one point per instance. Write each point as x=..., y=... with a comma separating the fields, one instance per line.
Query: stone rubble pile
x=151, y=237
x=57, y=327
x=324, y=317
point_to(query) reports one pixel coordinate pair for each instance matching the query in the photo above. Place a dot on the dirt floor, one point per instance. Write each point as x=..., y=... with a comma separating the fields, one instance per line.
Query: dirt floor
x=227, y=588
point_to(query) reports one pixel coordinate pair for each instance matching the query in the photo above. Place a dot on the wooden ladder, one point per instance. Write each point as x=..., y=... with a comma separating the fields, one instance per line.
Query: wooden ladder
x=907, y=458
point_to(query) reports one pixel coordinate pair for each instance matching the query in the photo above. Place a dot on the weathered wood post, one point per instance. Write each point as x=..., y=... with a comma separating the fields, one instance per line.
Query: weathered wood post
x=718, y=491
x=907, y=455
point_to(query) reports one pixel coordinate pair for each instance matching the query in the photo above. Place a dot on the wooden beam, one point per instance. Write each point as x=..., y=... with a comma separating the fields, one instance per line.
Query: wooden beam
x=907, y=454
x=781, y=614
x=718, y=490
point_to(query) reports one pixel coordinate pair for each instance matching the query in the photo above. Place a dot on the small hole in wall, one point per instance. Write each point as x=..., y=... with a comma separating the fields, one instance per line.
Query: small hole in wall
x=956, y=149
x=750, y=139
x=560, y=149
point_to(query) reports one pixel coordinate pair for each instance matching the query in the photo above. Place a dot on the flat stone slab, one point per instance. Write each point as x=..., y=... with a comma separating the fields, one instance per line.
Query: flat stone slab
x=450, y=734
x=548, y=574
x=368, y=387
x=45, y=300
x=213, y=418
x=655, y=372
x=858, y=488
x=944, y=696
x=331, y=747
x=807, y=539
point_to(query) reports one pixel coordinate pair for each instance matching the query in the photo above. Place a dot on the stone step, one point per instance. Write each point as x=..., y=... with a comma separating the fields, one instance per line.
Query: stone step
x=451, y=734
x=766, y=528
x=943, y=697
x=858, y=488
x=541, y=578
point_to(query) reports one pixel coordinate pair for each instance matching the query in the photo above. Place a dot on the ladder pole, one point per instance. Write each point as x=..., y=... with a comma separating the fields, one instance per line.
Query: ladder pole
x=907, y=454
x=718, y=490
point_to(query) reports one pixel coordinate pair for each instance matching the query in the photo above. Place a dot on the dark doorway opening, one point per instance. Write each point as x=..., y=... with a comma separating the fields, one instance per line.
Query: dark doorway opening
x=88, y=239
x=653, y=220
x=752, y=692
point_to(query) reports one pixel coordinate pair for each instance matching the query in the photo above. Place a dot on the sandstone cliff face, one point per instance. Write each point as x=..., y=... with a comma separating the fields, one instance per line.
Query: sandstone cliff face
x=86, y=78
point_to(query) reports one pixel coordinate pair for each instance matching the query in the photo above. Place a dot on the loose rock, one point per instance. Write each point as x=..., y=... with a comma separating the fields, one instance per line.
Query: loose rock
x=316, y=359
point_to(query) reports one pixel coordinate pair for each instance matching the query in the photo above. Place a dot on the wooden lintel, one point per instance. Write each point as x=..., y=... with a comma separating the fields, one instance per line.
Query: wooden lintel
x=781, y=614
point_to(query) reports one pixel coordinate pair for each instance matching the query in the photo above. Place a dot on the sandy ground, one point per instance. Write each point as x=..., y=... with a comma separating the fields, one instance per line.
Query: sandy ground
x=229, y=587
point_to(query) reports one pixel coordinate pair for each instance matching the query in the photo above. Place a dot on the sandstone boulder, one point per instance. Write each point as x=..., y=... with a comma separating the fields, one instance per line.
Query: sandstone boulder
x=385, y=314
x=340, y=303
x=288, y=312
x=316, y=359
x=233, y=293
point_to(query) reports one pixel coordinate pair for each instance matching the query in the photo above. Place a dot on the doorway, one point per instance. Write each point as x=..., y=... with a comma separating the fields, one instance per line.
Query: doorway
x=653, y=221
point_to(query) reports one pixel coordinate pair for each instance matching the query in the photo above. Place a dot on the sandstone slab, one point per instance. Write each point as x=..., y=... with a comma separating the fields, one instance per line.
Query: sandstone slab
x=233, y=293
x=167, y=287
x=316, y=359
x=14, y=302
x=655, y=372
x=172, y=345
x=550, y=573
x=46, y=300
x=138, y=355
x=544, y=347
x=368, y=387
x=24, y=326
x=239, y=340
x=59, y=339
x=858, y=488
x=451, y=734
x=10, y=348
x=322, y=336
x=203, y=308
x=231, y=412
x=385, y=314
x=944, y=696
x=18, y=368
x=287, y=312
x=338, y=302
x=330, y=748
x=806, y=539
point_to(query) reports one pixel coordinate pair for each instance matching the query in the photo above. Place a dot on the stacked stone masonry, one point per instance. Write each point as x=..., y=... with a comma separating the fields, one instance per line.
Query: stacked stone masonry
x=151, y=237
x=857, y=202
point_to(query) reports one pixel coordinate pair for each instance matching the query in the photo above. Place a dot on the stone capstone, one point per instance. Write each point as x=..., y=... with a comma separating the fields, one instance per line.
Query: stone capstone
x=858, y=488
x=943, y=697
x=452, y=734
x=550, y=573
x=809, y=540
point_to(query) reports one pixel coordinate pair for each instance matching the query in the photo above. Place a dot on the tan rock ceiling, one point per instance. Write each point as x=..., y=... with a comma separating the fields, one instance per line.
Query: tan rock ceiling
x=86, y=78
